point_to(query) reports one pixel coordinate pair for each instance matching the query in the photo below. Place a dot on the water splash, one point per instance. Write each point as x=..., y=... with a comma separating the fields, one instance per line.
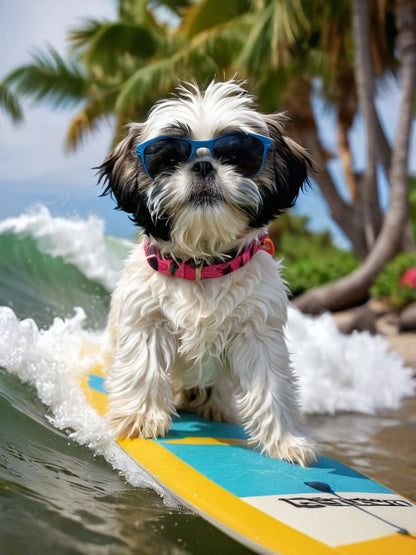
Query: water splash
x=80, y=242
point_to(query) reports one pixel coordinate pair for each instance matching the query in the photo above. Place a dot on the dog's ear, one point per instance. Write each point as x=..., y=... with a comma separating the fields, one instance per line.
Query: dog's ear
x=119, y=171
x=291, y=163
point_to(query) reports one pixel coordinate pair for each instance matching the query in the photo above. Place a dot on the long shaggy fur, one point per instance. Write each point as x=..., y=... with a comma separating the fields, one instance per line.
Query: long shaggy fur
x=216, y=345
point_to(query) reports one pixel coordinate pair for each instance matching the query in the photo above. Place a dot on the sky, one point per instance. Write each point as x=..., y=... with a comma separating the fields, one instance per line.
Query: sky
x=33, y=165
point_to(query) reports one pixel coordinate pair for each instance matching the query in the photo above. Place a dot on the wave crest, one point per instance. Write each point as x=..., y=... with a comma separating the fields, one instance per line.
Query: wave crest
x=80, y=242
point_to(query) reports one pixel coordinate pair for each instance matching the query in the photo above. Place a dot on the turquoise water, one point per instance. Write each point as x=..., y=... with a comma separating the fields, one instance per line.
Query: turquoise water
x=63, y=488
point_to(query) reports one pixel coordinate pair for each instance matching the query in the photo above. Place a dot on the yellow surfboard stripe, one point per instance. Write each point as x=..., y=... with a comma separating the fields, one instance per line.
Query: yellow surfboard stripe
x=396, y=544
x=236, y=517
x=200, y=492
x=230, y=511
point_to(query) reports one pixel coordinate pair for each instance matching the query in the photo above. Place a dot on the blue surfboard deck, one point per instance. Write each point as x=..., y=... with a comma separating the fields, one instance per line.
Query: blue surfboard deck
x=267, y=504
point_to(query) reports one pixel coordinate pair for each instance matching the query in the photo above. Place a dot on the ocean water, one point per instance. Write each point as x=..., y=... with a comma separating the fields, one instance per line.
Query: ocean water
x=65, y=486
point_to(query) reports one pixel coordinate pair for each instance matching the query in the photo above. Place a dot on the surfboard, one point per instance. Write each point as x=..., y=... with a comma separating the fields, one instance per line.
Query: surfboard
x=269, y=505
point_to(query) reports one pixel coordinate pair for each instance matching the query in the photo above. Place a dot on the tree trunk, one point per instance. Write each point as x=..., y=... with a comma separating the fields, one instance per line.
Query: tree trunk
x=364, y=77
x=345, y=156
x=353, y=288
x=343, y=213
x=382, y=146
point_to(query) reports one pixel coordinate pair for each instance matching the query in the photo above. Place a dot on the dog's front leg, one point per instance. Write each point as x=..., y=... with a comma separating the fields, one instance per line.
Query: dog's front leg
x=266, y=395
x=138, y=383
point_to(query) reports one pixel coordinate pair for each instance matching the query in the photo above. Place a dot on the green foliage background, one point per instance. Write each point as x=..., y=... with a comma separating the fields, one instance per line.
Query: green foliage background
x=310, y=259
x=388, y=285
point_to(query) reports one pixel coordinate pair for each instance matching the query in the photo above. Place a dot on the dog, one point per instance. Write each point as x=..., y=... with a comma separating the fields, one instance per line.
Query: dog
x=196, y=319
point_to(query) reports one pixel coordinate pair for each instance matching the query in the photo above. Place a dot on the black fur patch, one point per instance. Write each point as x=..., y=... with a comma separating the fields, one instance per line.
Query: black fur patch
x=290, y=174
x=129, y=199
x=159, y=229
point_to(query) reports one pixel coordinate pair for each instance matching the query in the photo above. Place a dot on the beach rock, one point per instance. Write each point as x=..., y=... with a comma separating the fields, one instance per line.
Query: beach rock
x=362, y=318
x=407, y=319
x=377, y=314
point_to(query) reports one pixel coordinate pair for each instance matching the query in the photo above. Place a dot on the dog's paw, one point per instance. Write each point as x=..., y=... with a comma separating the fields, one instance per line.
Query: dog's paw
x=155, y=423
x=294, y=449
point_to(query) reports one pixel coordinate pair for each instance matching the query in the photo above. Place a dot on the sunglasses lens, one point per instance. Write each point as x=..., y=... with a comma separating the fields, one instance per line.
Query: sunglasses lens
x=165, y=155
x=245, y=152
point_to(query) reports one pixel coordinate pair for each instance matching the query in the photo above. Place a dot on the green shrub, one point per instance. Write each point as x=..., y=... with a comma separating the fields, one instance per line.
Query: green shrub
x=311, y=259
x=388, y=285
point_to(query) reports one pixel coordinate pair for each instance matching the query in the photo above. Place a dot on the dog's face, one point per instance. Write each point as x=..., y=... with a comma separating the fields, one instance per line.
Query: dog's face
x=201, y=199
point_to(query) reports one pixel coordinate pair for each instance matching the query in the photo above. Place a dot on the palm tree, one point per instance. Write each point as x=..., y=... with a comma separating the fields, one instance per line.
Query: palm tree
x=322, y=47
x=202, y=46
x=355, y=286
x=103, y=56
x=280, y=46
x=287, y=45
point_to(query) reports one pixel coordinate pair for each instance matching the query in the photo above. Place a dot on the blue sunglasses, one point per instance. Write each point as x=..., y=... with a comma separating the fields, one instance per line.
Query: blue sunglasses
x=245, y=151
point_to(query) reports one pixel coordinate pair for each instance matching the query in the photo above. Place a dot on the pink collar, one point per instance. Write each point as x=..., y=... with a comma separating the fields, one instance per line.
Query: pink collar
x=189, y=270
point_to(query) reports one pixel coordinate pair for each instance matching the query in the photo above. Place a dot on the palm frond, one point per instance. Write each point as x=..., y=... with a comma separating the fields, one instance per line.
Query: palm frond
x=148, y=82
x=136, y=12
x=9, y=104
x=81, y=36
x=50, y=79
x=274, y=30
x=208, y=14
x=208, y=53
x=219, y=46
x=86, y=121
x=98, y=108
x=103, y=44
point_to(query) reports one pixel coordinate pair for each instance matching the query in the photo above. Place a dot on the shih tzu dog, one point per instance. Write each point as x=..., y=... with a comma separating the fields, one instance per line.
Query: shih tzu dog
x=196, y=320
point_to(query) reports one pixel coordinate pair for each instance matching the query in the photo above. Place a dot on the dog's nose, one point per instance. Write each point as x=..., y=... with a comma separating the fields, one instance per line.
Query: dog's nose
x=203, y=168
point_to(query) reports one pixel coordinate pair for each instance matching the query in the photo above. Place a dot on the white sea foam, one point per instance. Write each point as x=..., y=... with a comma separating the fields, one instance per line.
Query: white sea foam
x=337, y=372
x=80, y=242
x=358, y=373
x=53, y=361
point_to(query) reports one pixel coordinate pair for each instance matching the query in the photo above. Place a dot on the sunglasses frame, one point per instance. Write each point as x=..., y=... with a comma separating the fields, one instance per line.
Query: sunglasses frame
x=209, y=144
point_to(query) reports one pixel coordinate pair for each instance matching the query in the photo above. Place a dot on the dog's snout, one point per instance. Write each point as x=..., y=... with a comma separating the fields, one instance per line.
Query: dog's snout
x=202, y=167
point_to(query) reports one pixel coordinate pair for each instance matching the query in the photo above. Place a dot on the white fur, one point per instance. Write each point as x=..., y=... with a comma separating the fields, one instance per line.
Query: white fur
x=168, y=336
